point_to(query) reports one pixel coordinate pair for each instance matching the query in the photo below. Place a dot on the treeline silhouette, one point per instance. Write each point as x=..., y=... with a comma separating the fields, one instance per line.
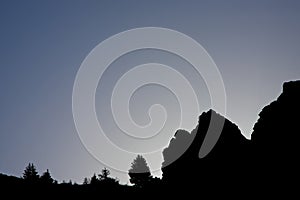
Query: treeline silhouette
x=268, y=163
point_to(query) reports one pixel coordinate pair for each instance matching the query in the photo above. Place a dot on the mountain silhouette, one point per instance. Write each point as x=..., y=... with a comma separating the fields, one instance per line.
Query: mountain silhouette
x=224, y=162
x=266, y=164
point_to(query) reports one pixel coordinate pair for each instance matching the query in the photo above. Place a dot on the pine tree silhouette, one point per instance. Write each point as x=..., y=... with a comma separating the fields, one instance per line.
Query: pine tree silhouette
x=94, y=180
x=104, y=178
x=46, y=178
x=30, y=174
x=104, y=175
x=139, y=172
x=86, y=181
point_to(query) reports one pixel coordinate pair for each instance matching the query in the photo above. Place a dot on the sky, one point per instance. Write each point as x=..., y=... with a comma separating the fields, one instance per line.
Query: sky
x=254, y=44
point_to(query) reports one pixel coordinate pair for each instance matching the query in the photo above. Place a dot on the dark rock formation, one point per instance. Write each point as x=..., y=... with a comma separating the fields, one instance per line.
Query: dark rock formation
x=275, y=139
x=225, y=162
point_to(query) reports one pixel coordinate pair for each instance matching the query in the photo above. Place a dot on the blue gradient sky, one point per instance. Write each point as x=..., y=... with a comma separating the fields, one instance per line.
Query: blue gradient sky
x=255, y=44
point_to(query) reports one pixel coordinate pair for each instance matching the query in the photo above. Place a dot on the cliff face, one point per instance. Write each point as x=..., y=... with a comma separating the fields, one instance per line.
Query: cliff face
x=280, y=120
x=275, y=138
